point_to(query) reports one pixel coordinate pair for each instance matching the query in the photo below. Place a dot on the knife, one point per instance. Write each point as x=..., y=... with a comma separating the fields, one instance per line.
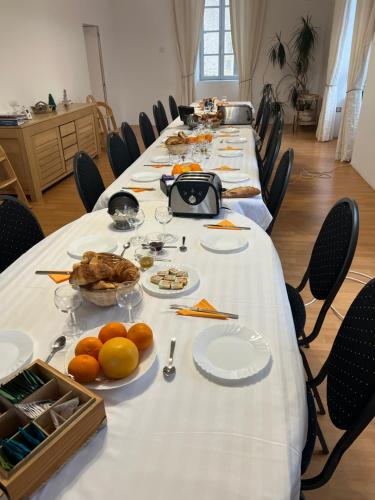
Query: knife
x=53, y=272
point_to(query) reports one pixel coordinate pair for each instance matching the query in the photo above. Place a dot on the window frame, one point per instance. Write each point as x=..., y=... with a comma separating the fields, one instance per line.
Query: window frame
x=220, y=77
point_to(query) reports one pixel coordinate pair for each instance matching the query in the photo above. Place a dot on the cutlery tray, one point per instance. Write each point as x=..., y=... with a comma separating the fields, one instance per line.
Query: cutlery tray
x=58, y=445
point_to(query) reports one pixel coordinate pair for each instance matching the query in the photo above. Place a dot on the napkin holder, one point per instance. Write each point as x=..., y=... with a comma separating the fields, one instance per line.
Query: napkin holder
x=61, y=443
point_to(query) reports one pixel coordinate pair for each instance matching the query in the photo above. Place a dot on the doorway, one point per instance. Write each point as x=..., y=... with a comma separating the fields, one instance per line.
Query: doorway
x=95, y=61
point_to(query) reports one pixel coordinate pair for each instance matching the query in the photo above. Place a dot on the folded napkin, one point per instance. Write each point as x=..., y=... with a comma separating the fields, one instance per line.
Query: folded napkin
x=59, y=278
x=225, y=168
x=159, y=166
x=241, y=192
x=230, y=148
x=204, y=304
x=138, y=190
x=224, y=224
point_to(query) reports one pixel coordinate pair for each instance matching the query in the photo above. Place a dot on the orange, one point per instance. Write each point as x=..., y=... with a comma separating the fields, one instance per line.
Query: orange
x=141, y=335
x=84, y=368
x=192, y=139
x=195, y=167
x=90, y=346
x=118, y=357
x=112, y=330
x=209, y=137
x=181, y=169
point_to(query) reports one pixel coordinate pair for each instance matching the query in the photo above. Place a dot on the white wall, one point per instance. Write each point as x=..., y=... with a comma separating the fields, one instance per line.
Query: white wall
x=42, y=48
x=363, y=155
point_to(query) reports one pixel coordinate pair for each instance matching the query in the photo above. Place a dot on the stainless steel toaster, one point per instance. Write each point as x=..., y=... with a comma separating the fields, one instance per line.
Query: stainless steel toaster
x=196, y=194
x=236, y=114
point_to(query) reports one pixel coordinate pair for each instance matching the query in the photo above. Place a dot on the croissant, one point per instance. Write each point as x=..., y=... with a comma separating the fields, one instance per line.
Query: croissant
x=85, y=274
x=124, y=271
x=103, y=285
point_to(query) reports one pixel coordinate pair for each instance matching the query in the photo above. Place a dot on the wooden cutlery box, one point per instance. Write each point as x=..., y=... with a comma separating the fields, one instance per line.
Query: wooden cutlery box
x=61, y=443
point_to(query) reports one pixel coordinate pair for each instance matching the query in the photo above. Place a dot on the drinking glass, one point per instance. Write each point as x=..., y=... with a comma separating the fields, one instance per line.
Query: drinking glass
x=164, y=215
x=129, y=296
x=136, y=219
x=145, y=257
x=68, y=299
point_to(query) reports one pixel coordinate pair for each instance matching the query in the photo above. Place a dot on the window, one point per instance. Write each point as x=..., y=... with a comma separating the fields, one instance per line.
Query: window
x=216, y=58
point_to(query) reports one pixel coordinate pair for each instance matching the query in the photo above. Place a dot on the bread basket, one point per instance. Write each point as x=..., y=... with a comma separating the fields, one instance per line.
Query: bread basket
x=177, y=149
x=105, y=298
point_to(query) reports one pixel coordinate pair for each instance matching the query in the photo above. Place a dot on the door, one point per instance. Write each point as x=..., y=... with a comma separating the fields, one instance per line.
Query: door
x=95, y=62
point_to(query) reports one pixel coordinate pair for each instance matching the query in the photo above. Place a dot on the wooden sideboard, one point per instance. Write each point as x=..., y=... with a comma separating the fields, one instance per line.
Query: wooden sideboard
x=41, y=150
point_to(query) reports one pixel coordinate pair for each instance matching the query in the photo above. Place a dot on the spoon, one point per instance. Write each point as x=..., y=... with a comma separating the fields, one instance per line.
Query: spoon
x=125, y=247
x=169, y=369
x=57, y=346
x=183, y=247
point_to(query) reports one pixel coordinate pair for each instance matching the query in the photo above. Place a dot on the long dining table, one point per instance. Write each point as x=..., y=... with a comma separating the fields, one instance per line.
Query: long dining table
x=189, y=438
x=253, y=207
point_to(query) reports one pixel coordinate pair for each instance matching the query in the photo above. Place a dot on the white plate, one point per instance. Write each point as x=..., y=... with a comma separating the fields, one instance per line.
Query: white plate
x=234, y=177
x=224, y=243
x=91, y=243
x=146, y=360
x=193, y=281
x=160, y=159
x=231, y=352
x=231, y=154
x=229, y=130
x=236, y=140
x=16, y=349
x=145, y=176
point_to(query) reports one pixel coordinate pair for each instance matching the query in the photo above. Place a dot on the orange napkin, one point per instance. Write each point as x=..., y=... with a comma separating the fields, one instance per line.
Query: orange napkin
x=204, y=305
x=230, y=148
x=159, y=166
x=224, y=224
x=138, y=190
x=59, y=278
x=225, y=168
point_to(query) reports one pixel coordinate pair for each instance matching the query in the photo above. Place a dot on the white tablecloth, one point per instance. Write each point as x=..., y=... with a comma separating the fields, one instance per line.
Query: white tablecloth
x=189, y=438
x=254, y=208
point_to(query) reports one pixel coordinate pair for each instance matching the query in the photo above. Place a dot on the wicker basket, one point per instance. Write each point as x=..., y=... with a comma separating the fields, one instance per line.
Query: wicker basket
x=177, y=149
x=105, y=298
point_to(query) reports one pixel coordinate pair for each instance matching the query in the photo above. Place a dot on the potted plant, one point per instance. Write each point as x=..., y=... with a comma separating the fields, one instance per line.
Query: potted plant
x=296, y=55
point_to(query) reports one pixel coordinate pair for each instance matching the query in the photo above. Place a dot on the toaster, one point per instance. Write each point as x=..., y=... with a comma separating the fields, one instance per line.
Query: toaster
x=236, y=114
x=196, y=194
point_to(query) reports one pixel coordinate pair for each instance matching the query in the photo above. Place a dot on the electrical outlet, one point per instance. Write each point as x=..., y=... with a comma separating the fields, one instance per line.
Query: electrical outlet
x=338, y=109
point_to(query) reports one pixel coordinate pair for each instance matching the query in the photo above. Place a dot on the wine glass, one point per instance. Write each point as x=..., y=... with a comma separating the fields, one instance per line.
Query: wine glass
x=136, y=218
x=68, y=299
x=164, y=215
x=129, y=296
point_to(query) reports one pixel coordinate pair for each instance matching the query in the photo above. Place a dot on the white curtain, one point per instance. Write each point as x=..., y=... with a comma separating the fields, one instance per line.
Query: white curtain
x=188, y=15
x=340, y=24
x=364, y=27
x=247, y=21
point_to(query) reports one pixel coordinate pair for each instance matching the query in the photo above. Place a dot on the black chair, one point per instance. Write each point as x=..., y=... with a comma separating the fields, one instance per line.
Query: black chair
x=162, y=115
x=350, y=374
x=19, y=230
x=173, y=107
x=279, y=186
x=147, y=131
x=267, y=163
x=330, y=261
x=130, y=140
x=118, y=154
x=88, y=179
x=263, y=127
x=157, y=118
x=259, y=115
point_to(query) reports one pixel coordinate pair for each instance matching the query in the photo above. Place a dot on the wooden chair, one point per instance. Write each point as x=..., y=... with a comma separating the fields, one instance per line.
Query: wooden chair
x=106, y=119
x=9, y=178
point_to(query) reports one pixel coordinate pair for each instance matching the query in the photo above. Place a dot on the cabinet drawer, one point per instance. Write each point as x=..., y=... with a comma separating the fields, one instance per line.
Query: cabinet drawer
x=67, y=128
x=70, y=151
x=69, y=165
x=68, y=140
x=84, y=121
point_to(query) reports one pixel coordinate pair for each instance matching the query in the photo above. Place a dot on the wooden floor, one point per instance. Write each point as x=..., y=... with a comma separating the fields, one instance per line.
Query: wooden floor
x=307, y=202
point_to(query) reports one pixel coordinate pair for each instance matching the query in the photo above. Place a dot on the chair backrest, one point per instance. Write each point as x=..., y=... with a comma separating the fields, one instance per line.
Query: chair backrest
x=260, y=112
x=105, y=116
x=279, y=185
x=173, y=107
x=157, y=118
x=19, y=230
x=334, y=249
x=118, y=154
x=130, y=140
x=147, y=131
x=272, y=150
x=88, y=179
x=351, y=363
x=265, y=120
x=162, y=115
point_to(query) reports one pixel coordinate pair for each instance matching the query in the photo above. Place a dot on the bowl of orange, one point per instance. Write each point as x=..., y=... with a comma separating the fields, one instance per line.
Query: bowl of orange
x=111, y=356
x=183, y=168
